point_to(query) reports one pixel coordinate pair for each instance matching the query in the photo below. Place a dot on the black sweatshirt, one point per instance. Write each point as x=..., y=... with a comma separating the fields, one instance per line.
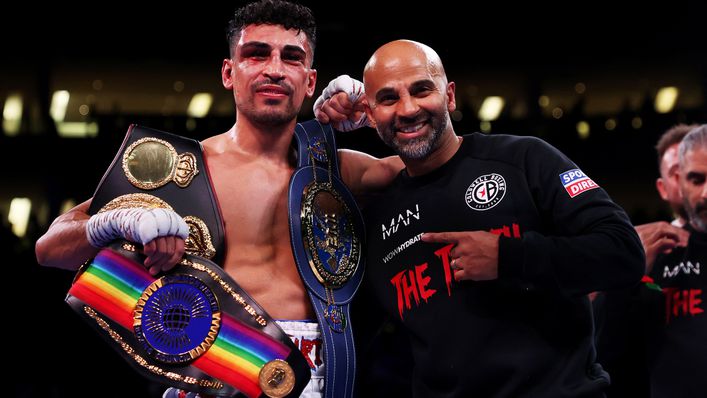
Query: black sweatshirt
x=530, y=332
x=677, y=354
x=654, y=336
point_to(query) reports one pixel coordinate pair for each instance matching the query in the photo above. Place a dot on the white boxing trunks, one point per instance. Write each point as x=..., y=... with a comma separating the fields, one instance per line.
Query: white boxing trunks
x=308, y=338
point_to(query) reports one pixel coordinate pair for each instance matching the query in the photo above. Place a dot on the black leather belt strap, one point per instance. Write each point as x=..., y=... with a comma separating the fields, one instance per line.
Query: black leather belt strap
x=196, y=199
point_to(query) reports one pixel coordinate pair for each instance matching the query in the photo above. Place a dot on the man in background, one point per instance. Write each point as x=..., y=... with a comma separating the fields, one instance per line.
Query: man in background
x=677, y=349
x=660, y=236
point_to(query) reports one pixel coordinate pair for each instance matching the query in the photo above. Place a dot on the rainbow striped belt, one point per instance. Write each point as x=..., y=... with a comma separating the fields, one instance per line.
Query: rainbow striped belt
x=193, y=329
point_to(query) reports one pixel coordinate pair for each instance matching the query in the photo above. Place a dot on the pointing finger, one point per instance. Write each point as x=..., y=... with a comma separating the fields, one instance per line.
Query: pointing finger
x=441, y=237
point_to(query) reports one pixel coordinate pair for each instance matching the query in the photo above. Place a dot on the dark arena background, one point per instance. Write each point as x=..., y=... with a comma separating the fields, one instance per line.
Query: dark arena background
x=599, y=80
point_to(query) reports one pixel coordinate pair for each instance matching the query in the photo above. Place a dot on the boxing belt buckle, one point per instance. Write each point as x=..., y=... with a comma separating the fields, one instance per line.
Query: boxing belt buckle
x=193, y=328
x=326, y=229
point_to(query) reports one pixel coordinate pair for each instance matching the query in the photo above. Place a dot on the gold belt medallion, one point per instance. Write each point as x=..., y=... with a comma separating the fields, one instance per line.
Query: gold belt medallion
x=150, y=163
x=332, y=247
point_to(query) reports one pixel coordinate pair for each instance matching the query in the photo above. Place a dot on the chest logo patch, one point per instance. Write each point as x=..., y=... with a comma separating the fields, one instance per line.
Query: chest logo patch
x=485, y=192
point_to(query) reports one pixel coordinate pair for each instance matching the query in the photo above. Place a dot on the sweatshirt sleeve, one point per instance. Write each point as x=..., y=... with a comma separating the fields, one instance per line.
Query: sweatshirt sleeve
x=588, y=243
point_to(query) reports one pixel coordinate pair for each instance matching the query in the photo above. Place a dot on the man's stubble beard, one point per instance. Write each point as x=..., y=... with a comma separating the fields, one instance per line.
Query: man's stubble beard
x=416, y=148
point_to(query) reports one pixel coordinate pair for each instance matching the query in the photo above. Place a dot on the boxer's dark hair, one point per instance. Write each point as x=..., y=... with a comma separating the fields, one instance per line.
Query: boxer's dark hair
x=273, y=12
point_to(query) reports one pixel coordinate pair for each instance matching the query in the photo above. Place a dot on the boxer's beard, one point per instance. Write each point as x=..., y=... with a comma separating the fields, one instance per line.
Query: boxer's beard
x=276, y=112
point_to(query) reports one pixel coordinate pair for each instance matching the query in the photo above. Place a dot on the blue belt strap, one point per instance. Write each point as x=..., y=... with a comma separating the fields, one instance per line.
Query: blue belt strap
x=317, y=165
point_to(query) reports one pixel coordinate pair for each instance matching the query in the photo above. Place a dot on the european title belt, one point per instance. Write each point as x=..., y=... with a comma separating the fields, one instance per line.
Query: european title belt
x=326, y=229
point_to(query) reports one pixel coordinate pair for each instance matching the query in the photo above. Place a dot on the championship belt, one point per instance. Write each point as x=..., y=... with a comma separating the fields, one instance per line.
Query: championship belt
x=171, y=169
x=326, y=229
x=193, y=328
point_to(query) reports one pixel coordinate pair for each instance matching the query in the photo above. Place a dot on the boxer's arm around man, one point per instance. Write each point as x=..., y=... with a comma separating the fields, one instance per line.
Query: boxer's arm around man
x=363, y=173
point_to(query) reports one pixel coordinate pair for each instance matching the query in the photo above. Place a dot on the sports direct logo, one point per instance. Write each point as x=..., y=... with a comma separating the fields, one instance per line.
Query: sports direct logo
x=576, y=182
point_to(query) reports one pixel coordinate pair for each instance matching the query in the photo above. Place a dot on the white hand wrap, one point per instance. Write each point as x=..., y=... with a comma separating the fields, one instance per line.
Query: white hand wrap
x=134, y=224
x=355, y=91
